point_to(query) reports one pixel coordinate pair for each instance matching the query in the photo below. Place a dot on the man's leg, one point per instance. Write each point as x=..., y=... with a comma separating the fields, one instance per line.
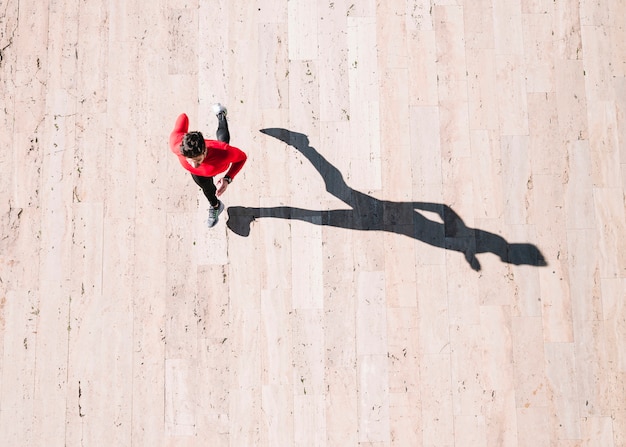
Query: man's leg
x=208, y=188
x=222, y=124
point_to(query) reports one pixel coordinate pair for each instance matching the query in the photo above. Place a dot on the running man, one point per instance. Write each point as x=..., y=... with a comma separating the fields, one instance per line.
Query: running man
x=205, y=159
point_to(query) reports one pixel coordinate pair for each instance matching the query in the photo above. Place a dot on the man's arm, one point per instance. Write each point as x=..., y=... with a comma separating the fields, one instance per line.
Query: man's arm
x=180, y=129
x=237, y=158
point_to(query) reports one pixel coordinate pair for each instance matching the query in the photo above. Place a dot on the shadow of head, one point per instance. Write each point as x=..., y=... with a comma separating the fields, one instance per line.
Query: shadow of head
x=525, y=254
x=295, y=139
x=239, y=220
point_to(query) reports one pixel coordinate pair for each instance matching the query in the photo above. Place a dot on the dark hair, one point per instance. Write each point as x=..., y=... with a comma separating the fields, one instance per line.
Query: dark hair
x=192, y=145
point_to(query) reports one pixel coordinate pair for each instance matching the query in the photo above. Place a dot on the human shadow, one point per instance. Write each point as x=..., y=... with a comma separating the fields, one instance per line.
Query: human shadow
x=368, y=213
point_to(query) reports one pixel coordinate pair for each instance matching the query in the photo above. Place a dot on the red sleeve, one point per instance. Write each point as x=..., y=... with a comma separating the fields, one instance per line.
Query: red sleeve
x=238, y=160
x=180, y=129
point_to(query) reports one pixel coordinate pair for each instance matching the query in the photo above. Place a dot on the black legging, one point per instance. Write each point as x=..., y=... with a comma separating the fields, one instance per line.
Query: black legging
x=206, y=183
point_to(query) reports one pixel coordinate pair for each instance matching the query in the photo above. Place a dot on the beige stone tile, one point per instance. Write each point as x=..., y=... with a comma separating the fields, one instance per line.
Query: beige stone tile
x=302, y=31
x=620, y=111
x=529, y=359
x=373, y=398
x=308, y=356
x=579, y=199
x=405, y=419
x=563, y=412
x=556, y=303
x=501, y=417
x=436, y=393
x=365, y=8
x=309, y=419
x=340, y=324
x=418, y=15
x=422, y=64
x=619, y=428
x=244, y=254
x=274, y=74
x=528, y=291
x=517, y=178
x=18, y=374
x=471, y=428
x=567, y=30
x=277, y=251
x=368, y=252
x=342, y=421
x=276, y=337
x=332, y=54
x=434, y=329
x=180, y=414
x=496, y=347
x=371, y=319
x=246, y=364
x=571, y=100
x=597, y=62
x=425, y=149
x=547, y=211
x=616, y=9
x=594, y=396
x=149, y=310
x=213, y=380
x=181, y=282
x=278, y=415
x=511, y=75
x=462, y=291
x=400, y=280
x=598, y=430
x=395, y=134
x=487, y=184
x=479, y=25
x=533, y=427
x=585, y=280
x=613, y=309
x=209, y=247
x=363, y=73
x=119, y=183
x=482, y=97
x=245, y=403
x=539, y=51
x=212, y=45
x=609, y=205
x=603, y=141
x=306, y=269
x=448, y=25
x=593, y=14
x=338, y=267
x=403, y=355
x=454, y=117
x=391, y=34
x=537, y=6
x=548, y=156
x=508, y=29
x=458, y=195
x=466, y=346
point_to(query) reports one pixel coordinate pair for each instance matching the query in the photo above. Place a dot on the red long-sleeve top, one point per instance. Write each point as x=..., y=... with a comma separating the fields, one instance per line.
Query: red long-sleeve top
x=220, y=156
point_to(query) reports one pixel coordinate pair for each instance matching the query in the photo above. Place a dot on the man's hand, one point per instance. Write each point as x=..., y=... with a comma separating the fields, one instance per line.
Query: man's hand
x=221, y=186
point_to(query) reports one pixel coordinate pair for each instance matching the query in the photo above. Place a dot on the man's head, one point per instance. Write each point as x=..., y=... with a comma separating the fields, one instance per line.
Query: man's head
x=193, y=148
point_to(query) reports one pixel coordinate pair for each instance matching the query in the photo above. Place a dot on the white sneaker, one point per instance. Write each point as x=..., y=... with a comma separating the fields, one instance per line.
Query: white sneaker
x=219, y=109
x=214, y=214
